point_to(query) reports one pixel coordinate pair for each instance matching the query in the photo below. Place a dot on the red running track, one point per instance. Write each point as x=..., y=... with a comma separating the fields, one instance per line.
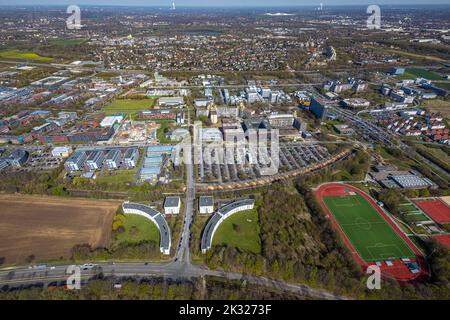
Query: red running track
x=399, y=270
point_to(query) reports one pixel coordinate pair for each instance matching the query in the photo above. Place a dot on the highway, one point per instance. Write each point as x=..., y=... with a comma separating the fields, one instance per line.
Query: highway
x=173, y=270
x=179, y=268
x=386, y=137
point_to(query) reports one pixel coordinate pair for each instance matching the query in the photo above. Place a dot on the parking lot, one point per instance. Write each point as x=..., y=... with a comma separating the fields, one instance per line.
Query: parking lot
x=246, y=164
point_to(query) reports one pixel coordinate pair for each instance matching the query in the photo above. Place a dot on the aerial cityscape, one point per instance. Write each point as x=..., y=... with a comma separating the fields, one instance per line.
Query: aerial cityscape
x=182, y=150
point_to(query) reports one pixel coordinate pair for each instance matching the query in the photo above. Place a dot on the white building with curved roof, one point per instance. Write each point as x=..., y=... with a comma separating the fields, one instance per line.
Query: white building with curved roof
x=157, y=218
x=219, y=216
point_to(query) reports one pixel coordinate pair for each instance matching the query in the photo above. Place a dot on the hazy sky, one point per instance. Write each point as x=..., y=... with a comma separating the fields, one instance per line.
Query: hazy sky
x=260, y=3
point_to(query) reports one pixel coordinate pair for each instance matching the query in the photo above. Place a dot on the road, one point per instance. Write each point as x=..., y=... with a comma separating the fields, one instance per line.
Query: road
x=172, y=270
x=183, y=255
x=384, y=136
x=180, y=268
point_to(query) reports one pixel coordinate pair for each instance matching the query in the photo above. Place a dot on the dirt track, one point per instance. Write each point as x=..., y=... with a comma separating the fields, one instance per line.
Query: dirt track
x=48, y=227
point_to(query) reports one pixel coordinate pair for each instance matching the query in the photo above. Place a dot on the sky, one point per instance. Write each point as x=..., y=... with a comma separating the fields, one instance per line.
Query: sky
x=222, y=3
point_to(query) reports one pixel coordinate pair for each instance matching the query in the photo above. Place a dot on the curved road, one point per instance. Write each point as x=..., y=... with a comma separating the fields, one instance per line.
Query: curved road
x=180, y=268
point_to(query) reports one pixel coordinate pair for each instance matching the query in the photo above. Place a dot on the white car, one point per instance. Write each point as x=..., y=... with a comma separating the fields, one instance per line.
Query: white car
x=87, y=266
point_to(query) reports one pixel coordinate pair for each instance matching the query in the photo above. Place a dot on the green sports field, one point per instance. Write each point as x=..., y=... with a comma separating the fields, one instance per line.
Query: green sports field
x=128, y=106
x=371, y=236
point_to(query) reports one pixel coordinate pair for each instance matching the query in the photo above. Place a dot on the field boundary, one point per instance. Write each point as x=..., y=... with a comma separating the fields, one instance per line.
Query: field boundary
x=319, y=193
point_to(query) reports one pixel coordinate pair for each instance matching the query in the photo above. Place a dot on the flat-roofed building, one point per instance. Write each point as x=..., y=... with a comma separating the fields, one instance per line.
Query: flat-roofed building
x=157, y=218
x=95, y=160
x=172, y=205
x=130, y=158
x=356, y=103
x=61, y=152
x=219, y=216
x=206, y=204
x=171, y=101
x=344, y=129
x=113, y=158
x=76, y=161
x=281, y=120
x=211, y=135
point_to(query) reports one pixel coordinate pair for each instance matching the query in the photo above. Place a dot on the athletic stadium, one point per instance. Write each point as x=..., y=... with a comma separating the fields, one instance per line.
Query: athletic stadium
x=372, y=237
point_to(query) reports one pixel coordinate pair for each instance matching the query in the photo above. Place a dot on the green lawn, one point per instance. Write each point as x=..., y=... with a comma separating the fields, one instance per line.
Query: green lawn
x=241, y=230
x=67, y=42
x=118, y=176
x=131, y=107
x=371, y=236
x=22, y=55
x=422, y=73
x=412, y=213
x=137, y=229
x=161, y=132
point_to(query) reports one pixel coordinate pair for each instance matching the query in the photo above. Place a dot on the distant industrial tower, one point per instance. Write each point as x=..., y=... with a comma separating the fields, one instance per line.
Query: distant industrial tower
x=173, y=5
x=321, y=6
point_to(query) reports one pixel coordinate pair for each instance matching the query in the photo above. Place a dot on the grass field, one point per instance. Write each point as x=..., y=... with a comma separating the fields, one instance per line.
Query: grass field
x=241, y=231
x=130, y=107
x=412, y=213
x=119, y=176
x=67, y=42
x=22, y=55
x=371, y=236
x=422, y=73
x=137, y=229
x=438, y=105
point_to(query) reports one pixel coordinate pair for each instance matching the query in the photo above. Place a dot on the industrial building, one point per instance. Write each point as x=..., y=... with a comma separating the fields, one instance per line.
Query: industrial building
x=154, y=159
x=109, y=121
x=171, y=101
x=18, y=157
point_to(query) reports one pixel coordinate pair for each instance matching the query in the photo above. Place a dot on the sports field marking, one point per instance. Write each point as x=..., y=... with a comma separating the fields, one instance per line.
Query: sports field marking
x=370, y=234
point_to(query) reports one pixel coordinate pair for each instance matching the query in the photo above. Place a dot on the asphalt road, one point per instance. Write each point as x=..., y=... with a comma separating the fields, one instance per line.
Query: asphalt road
x=180, y=268
x=173, y=270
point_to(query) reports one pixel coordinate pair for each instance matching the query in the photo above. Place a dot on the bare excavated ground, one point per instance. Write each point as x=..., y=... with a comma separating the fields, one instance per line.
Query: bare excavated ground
x=48, y=227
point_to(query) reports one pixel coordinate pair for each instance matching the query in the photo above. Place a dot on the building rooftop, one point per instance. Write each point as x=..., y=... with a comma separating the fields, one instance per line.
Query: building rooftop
x=206, y=201
x=172, y=202
x=165, y=241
